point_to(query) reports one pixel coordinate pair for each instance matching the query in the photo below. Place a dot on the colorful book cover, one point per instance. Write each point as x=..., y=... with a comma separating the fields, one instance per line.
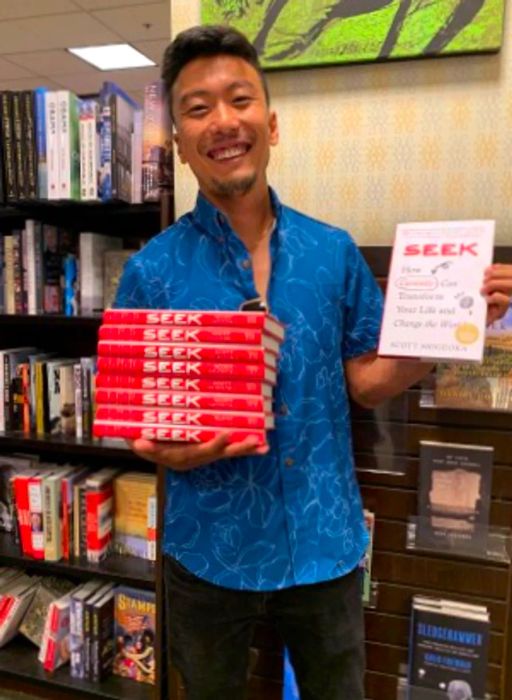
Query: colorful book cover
x=485, y=387
x=134, y=634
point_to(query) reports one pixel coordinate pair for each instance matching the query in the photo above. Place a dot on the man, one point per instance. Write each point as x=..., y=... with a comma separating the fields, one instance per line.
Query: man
x=275, y=531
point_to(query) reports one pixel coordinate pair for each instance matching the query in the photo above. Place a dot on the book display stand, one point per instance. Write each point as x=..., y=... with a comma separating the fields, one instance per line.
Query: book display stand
x=483, y=542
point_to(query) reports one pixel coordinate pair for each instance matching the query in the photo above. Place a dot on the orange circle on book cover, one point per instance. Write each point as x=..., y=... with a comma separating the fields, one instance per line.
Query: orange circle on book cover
x=466, y=333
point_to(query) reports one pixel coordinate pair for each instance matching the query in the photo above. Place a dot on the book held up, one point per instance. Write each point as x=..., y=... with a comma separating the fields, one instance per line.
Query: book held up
x=434, y=309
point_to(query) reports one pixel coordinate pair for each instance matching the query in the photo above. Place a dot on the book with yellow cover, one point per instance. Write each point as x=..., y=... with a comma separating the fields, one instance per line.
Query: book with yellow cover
x=132, y=491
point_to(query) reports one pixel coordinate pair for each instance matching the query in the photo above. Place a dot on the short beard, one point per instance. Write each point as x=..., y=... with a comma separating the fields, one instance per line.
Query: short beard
x=234, y=187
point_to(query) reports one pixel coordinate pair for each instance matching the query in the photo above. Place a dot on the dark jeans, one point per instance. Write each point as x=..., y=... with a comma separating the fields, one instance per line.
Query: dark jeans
x=210, y=630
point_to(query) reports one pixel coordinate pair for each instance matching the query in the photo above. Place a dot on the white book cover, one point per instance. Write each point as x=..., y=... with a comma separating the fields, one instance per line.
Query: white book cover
x=63, y=120
x=52, y=145
x=434, y=309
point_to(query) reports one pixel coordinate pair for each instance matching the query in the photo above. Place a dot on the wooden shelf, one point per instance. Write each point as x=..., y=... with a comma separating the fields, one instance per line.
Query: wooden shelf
x=18, y=660
x=50, y=321
x=91, y=447
x=131, y=571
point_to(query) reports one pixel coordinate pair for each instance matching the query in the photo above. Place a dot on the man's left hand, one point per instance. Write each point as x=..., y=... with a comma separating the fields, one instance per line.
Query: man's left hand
x=497, y=290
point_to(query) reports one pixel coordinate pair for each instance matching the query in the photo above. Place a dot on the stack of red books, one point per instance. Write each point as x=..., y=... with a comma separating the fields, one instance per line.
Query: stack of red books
x=186, y=376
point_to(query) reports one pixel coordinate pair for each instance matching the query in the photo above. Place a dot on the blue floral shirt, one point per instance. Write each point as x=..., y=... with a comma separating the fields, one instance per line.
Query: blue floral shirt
x=292, y=516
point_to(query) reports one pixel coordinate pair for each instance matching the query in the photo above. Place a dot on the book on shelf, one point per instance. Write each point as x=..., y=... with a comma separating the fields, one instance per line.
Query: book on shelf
x=113, y=266
x=99, y=508
x=449, y=644
x=92, y=248
x=485, y=387
x=14, y=602
x=434, y=309
x=454, y=495
x=49, y=589
x=10, y=466
x=76, y=626
x=132, y=492
x=54, y=650
x=134, y=632
x=156, y=143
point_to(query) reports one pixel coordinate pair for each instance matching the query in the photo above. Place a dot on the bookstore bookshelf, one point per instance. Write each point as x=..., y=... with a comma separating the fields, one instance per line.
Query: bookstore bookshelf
x=74, y=336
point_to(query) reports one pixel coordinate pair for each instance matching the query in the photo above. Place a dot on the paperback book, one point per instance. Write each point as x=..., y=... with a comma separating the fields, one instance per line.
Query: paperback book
x=434, y=309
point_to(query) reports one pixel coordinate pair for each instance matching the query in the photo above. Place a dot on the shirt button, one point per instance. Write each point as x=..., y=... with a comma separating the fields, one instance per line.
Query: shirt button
x=283, y=409
x=246, y=264
x=289, y=462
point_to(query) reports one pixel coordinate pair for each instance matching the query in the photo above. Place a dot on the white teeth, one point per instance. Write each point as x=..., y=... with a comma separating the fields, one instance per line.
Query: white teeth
x=229, y=153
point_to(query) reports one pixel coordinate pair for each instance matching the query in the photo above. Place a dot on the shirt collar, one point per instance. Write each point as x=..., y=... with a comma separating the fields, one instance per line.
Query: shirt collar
x=215, y=223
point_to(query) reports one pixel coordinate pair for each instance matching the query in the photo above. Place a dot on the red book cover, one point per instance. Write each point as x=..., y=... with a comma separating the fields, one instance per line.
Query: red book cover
x=65, y=505
x=187, y=334
x=173, y=433
x=226, y=419
x=155, y=383
x=6, y=603
x=184, y=399
x=240, y=319
x=22, y=508
x=99, y=521
x=51, y=654
x=186, y=351
x=197, y=370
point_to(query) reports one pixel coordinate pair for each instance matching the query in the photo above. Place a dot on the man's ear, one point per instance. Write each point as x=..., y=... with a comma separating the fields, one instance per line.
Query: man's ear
x=176, y=140
x=273, y=128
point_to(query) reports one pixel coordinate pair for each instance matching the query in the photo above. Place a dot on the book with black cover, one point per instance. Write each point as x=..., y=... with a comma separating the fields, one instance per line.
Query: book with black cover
x=448, y=649
x=454, y=495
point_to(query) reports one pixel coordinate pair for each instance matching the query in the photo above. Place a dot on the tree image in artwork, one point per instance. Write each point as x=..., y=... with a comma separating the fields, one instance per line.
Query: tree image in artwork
x=298, y=33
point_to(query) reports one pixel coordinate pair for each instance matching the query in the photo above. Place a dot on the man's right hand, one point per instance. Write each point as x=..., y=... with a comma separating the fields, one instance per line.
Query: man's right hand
x=183, y=457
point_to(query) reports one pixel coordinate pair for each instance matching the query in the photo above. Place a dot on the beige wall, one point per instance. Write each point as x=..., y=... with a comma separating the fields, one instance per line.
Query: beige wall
x=364, y=147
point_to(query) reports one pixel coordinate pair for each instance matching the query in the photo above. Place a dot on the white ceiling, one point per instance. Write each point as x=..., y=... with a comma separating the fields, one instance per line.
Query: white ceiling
x=35, y=33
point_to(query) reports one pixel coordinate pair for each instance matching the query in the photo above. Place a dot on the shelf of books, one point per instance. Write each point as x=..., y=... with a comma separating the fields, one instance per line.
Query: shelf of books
x=435, y=469
x=19, y=661
x=83, y=184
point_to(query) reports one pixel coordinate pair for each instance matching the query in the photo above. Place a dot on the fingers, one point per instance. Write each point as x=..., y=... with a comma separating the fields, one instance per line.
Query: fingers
x=183, y=457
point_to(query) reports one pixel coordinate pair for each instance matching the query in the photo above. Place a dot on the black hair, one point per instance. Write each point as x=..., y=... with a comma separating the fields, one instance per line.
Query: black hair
x=207, y=40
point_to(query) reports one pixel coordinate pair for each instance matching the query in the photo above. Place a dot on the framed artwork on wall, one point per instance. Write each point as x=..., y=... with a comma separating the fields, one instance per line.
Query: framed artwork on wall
x=304, y=33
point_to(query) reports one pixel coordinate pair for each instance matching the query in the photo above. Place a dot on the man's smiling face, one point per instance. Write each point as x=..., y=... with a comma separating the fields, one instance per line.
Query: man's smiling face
x=224, y=127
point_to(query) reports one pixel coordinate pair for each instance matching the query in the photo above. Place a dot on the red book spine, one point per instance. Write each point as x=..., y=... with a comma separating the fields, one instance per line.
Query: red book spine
x=182, y=334
x=98, y=504
x=176, y=433
x=242, y=319
x=51, y=654
x=191, y=352
x=184, y=399
x=169, y=383
x=6, y=603
x=217, y=370
x=226, y=419
x=21, y=495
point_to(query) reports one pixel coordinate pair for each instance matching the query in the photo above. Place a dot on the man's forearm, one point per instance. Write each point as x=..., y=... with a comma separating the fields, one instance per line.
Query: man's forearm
x=373, y=379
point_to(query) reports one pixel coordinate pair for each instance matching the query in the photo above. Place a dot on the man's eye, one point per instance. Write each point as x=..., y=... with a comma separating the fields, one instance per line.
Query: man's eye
x=196, y=110
x=241, y=100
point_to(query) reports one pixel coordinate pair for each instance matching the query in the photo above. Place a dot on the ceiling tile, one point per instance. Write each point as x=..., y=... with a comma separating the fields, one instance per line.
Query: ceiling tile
x=27, y=83
x=38, y=33
x=9, y=71
x=153, y=49
x=105, y=4
x=58, y=62
x=34, y=8
x=131, y=79
x=140, y=22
